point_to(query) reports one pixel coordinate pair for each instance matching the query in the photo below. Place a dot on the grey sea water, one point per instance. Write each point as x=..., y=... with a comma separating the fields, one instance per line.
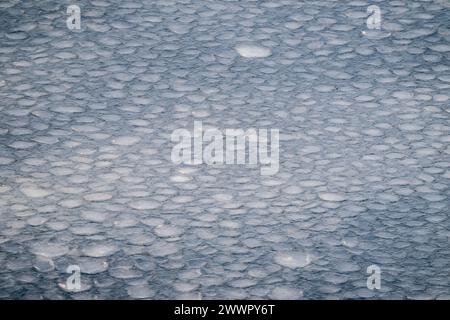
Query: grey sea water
x=86, y=176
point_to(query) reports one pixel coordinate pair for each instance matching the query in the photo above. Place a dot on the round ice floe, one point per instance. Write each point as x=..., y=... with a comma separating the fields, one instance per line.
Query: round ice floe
x=162, y=249
x=347, y=267
x=34, y=192
x=311, y=183
x=140, y=292
x=94, y=216
x=286, y=293
x=168, y=231
x=180, y=178
x=43, y=264
x=178, y=28
x=311, y=149
x=49, y=250
x=185, y=286
x=67, y=109
x=253, y=51
x=242, y=283
x=92, y=265
x=292, y=190
x=99, y=196
x=126, y=140
x=222, y=197
x=183, y=199
x=100, y=250
x=70, y=203
x=293, y=259
x=5, y=160
x=441, y=48
x=22, y=145
x=36, y=221
x=125, y=272
x=144, y=205
x=332, y=196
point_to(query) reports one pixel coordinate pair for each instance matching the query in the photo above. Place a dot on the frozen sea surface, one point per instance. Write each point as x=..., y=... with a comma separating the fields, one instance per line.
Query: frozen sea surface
x=86, y=176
